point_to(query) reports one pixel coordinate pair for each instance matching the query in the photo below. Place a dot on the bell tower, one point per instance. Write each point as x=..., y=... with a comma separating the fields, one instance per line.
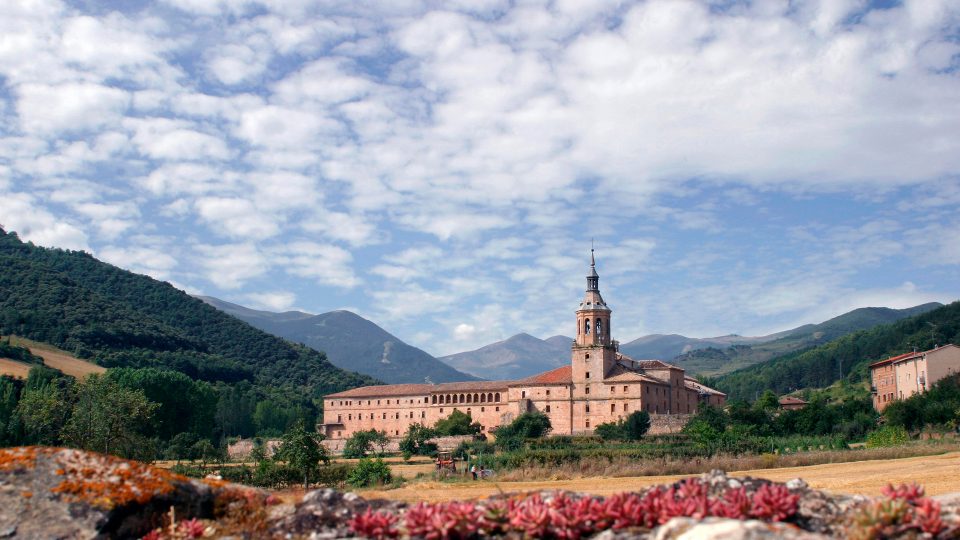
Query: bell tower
x=594, y=353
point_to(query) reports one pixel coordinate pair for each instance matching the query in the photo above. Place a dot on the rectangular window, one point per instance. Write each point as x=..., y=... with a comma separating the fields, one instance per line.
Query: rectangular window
x=613, y=389
x=586, y=390
x=588, y=375
x=588, y=408
x=523, y=394
x=613, y=407
x=625, y=407
x=548, y=391
x=625, y=388
x=588, y=422
x=384, y=416
x=339, y=419
x=398, y=416
x=496, y=410
x=371, y=416
x=481, y=409
x=548, y=408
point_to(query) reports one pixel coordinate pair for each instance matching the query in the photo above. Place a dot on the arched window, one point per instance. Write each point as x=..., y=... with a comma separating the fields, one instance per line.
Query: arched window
x=462, y=399
x=483, y=398
x=469, y=398
x=599, y=327
x=433, y=400
x=490, y=397
x=497, y=397
x=586, y=327
x=475, y=398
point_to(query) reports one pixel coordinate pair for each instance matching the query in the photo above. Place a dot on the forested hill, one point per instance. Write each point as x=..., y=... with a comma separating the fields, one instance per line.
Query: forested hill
x=121, y=319
x=848, y=356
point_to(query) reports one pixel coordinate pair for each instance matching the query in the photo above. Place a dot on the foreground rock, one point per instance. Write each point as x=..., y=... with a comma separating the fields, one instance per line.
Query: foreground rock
x=63, y=493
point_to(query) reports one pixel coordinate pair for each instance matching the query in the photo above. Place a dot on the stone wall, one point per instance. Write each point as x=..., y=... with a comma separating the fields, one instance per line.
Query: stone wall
x=242, y=448
x=335, y=446
x=667, y=423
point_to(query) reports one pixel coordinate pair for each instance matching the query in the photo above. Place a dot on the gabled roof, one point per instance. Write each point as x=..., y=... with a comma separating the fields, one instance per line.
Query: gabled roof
x=895, y=358
x=394, y=390
x=694, y=384
x=561, y=375
x=624, y=373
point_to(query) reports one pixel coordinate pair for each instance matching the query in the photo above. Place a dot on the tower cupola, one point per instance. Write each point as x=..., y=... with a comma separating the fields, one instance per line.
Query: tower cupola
x=593, y=316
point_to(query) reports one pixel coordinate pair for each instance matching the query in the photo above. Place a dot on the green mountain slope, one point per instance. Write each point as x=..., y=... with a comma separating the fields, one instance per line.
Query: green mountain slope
x=720, y=360
x=350, y=341
x=847, y=356
x=121, y=319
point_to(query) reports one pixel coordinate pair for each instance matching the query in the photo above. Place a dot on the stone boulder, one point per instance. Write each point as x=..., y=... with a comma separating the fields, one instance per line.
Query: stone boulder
x=66, y=493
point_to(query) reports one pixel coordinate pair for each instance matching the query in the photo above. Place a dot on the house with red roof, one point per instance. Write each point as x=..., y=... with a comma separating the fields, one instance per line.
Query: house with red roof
x=599, y=385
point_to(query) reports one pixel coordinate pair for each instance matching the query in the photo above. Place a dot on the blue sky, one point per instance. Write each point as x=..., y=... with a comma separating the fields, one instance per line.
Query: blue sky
x=441, y=167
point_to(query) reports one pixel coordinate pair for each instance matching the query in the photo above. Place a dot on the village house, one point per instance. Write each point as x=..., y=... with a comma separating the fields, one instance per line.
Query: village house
x=791, y=403
x=902, y=376
x=599, y=385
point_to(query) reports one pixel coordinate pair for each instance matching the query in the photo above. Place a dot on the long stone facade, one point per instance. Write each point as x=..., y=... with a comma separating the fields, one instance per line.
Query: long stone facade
x=599, y=385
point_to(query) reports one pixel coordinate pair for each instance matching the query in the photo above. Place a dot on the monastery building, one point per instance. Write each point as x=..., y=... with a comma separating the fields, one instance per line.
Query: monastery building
x=599, y=385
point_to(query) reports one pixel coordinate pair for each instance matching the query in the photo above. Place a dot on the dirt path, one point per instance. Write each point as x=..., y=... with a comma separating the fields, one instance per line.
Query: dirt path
x=939, y=474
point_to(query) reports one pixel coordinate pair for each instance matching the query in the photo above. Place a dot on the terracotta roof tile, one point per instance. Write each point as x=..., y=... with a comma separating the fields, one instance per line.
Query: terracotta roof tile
x=390, y=390
x=561, y=375
x=694, y=384
x=790, y=400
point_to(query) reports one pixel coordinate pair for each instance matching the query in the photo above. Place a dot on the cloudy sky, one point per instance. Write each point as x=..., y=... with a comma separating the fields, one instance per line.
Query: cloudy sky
x=441, y=167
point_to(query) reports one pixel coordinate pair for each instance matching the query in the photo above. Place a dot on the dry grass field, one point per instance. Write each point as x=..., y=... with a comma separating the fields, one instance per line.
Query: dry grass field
x=14, y=368
x=939, y=474
x=52, y=357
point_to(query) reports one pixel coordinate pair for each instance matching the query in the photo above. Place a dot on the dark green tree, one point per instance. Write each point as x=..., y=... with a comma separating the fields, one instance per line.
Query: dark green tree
x=361, y=443
x=109, y=418
x=302, y=451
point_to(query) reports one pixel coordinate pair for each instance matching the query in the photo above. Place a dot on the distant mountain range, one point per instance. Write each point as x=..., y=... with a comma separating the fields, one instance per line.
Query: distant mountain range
x=513, y=358
x=350, y=342
x=718, y=360
x=849, y=355
x=523, y=355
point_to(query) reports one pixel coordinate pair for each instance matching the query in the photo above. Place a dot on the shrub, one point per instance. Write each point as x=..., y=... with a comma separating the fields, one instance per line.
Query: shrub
x=370, y=472
x=458, y=423
x=335, y=475
x=530, y=425
x=887, y=436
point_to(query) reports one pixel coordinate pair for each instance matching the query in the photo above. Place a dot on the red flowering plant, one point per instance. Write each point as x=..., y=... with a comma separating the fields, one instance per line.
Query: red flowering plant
x=903, y=512
x=570, y=517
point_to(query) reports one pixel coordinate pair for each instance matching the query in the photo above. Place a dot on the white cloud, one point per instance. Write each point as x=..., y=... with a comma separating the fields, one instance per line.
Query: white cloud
x=236, y=217
x=70, y=107
x=156, y=262
x=325, y=263
x=165, y=139
x=229, y=266
x=27, y=216
x=272, y=301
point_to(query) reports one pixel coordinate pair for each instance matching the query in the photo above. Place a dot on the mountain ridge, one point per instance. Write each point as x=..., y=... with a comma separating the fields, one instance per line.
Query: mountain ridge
x=350, y=342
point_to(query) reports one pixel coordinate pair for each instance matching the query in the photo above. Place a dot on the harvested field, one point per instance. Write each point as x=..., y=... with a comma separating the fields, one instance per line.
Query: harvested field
x=57, y=359
x=14, y=368
x=937, y=473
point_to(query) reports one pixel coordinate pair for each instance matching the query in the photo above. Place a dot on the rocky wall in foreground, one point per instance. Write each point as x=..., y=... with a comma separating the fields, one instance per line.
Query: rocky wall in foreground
x=64, y=493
